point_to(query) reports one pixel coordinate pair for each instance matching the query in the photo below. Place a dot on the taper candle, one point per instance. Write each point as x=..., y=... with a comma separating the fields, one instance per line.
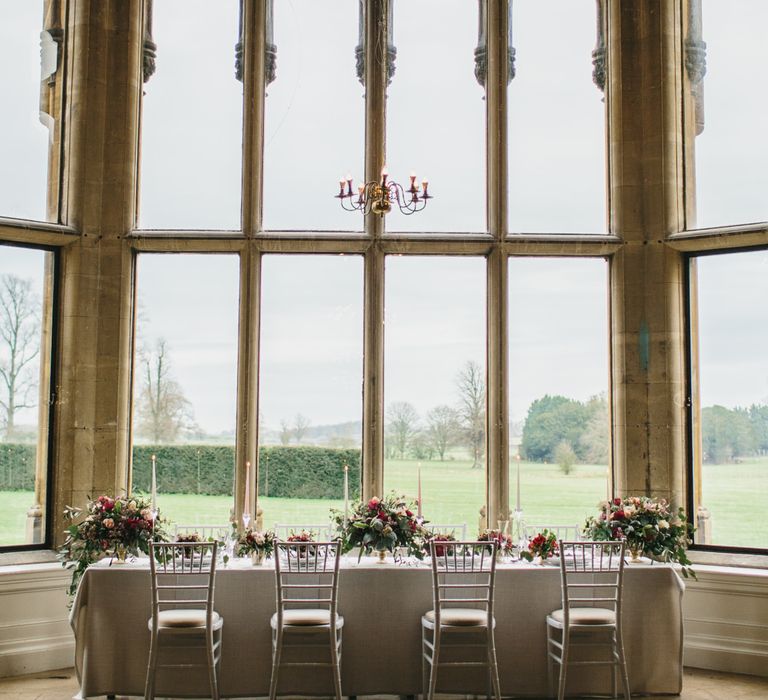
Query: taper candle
x=346, y=494
x=418, y=498
x=247, y=498
x=154, y=486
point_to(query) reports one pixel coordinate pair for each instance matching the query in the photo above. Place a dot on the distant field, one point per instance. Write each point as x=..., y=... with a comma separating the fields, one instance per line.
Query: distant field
x=452, y=493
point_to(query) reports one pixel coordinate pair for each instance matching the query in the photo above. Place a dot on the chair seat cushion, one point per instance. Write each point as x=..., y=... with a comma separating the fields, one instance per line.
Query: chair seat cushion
x=586, y=616
x=307, y=617
x=185, y=618
x=459, y=617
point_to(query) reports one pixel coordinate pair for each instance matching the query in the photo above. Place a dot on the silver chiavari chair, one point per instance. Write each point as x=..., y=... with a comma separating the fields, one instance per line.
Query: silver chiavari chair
x=183, y=578
x=307, y=617
x=463, y=580
x=591, y=575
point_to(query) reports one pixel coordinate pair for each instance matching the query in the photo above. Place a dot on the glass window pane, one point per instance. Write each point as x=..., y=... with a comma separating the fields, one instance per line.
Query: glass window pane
x=434, y=386
x=556, y=121
x=315, y=117
x=310, y=380
x=732, y=149
x=26, y=281
x=23, y=138
x=191, y=129
x=558, y=388
x=731, y=413
x=185, y=374
x=436, y=115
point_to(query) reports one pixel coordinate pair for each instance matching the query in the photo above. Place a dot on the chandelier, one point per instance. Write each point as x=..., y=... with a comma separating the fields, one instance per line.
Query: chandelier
x=378, y=197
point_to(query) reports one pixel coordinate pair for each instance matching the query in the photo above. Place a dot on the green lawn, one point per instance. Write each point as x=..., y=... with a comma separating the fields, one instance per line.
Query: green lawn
x=452, y=493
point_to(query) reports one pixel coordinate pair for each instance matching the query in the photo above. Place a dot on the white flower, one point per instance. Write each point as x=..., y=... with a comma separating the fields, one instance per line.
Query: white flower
x=629, y=510
x=663, y=525
x=131, y=506
x=108, y=522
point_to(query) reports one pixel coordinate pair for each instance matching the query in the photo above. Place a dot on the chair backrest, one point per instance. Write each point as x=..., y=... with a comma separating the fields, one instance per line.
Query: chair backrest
x=571, y=533
x=591, y=575
x=183, y=576
x=321, y=531
x=206, y=532
x=459, y=531
x=307, y=575
x=463, y=575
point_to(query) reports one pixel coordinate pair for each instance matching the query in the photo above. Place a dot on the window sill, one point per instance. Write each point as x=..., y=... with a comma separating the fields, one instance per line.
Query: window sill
x=38, y=556
x=728, y=562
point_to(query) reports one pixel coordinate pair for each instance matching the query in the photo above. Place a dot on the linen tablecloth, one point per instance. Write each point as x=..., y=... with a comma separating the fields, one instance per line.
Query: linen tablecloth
x=381, y=653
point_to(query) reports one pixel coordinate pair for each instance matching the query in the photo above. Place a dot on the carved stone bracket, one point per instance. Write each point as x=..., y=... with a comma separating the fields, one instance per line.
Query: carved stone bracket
x=481, y=50
x=696, y=61
x=270, y=49
x=360, y=48
x=599, y=54
x=148, y=47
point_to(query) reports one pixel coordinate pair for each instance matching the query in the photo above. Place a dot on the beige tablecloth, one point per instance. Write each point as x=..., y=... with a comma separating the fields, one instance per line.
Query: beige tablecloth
x=382, y=606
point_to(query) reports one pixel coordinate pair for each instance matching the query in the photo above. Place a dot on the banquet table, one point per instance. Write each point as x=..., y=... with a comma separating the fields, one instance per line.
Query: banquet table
x=381, y=652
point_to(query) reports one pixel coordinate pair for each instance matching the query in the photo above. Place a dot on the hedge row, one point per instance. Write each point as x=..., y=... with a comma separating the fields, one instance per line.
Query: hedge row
x=286, y=472
x=17, y=466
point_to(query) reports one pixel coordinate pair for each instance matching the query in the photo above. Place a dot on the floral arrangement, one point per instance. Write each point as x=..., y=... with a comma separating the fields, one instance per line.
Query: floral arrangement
x=544, y=545
x=648, y=525
x=188, y=537
x=303, y=536
x=505, y=544
x=112, y=527
x=439, y=538
x=256, y=542
x=382, y=525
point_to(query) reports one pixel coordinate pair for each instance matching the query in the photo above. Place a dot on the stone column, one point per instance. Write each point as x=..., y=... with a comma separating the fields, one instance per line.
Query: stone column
x=99, y=194
x=646, y=186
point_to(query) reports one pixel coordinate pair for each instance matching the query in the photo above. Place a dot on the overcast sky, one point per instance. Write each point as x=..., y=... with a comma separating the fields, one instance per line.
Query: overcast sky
x=435, y=319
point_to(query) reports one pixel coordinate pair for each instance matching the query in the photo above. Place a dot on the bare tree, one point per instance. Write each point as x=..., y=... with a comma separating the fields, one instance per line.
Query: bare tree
x=402, y=421
x=471, y=387
x=300, y=427
x=163, y=411
x=19, y=346
x=442, y=428
x=285, y=433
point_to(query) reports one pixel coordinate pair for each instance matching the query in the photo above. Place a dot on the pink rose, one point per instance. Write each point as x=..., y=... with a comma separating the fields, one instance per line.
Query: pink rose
x=373, y=503
x=109, y=523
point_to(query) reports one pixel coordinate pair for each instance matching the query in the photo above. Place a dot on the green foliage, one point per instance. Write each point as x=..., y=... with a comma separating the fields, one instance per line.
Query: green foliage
x=726, y=434
x=284, y=472
x=177, y=468
x=308, y=472
x=758, y=418
x=17, y=466
x=565, y=457
x=552, y=420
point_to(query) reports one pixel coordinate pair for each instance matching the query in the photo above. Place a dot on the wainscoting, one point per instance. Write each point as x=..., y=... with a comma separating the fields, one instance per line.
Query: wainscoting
x=725, y=611
x=726, y=620
x=34, y=627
